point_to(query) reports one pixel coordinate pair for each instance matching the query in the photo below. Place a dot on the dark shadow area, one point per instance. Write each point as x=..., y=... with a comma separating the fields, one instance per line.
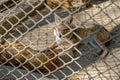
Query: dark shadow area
x=90, y=56
x=9, y=4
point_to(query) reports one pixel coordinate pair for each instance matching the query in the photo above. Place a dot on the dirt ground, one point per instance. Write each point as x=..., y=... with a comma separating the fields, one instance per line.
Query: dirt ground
x=86, y=67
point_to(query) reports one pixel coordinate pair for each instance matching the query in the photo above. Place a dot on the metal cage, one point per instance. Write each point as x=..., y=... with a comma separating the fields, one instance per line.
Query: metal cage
x=27, y=36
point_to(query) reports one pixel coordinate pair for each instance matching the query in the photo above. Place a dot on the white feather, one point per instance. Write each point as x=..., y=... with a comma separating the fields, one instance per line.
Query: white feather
x=57, y=36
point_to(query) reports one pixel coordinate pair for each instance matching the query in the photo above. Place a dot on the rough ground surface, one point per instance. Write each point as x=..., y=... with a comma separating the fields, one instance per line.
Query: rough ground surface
x=88, y=67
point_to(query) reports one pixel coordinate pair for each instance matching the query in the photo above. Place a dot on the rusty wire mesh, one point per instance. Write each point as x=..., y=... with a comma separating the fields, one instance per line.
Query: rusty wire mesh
x=27, y=32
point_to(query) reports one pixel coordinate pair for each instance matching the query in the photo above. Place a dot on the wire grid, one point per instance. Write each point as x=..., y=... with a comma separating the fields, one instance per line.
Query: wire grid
x=31, y=26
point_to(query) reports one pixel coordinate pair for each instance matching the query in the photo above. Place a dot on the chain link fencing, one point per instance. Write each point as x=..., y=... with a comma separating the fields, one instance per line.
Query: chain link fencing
x=59, y=40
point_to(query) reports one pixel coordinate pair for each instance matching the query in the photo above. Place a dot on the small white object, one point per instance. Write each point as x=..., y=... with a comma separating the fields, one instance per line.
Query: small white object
x=57, y=36
x=59, y=39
